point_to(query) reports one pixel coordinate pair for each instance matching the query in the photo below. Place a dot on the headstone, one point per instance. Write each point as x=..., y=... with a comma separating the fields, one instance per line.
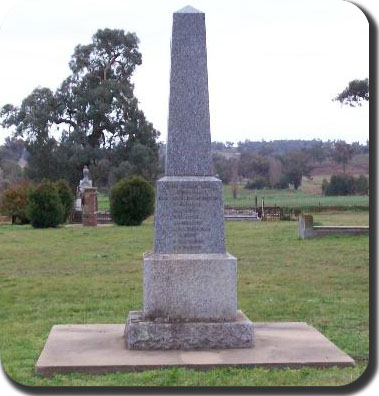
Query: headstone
x=306, y=227
x=190, y=282
x=84, y=183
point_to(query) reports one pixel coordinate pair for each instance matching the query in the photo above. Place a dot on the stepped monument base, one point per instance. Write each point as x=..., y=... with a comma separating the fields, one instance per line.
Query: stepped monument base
x=143, y=334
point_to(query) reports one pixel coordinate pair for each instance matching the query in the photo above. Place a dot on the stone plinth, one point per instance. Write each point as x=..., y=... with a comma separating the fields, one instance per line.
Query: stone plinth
x=189, y=215
x=89, y=207
x=143, y=334
x=190, y=286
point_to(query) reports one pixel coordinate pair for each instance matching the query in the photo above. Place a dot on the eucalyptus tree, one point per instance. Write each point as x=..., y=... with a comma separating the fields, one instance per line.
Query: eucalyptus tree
x=93, y=112
x=355, y=93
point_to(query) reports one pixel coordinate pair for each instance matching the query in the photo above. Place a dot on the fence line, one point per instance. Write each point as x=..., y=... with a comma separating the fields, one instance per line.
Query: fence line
x=103, y=217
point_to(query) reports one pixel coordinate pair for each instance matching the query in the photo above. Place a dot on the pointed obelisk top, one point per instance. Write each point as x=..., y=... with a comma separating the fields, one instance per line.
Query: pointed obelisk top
x=188, y=10
x=188, y=139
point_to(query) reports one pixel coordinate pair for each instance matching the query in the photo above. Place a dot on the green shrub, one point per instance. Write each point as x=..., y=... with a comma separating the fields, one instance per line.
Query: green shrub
x=66, y=196
x=44, y=207
x=282, y=184
x=361, y=185
x=131, y=201
x=345, y=185
x=340, y=185
x=13, y=203
x=257, y=184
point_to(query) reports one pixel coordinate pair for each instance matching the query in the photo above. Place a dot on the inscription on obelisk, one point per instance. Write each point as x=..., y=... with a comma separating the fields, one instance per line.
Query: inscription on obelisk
x=189, y=211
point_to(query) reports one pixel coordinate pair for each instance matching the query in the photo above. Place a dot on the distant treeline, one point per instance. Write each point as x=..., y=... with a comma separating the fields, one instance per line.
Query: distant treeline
x=279, y=163
x=274, y=164
x=281, y=147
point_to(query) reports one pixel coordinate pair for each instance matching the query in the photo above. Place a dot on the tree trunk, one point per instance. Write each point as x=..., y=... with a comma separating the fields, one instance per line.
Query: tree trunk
x=235, y=190
x=96, y=135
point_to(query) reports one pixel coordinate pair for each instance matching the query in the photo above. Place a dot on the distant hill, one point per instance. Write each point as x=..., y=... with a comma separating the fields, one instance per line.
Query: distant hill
x=359, y=165
x=316, y=148
x=282, y=147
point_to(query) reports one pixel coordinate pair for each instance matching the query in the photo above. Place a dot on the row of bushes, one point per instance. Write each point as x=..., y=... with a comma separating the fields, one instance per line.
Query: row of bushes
x=45, y=205
x=338, y=185
x=50, y=204
x=345, y=185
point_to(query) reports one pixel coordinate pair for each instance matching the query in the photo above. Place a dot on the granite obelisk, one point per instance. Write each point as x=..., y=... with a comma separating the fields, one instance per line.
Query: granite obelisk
x=190, y=282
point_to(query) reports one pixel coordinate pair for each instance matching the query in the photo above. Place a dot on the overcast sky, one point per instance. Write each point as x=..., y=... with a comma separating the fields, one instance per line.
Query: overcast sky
x=273, y=65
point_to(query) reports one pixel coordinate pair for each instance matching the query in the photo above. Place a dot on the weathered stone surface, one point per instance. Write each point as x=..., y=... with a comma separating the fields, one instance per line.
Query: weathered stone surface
x=308, y=231
x=189, y=139
x=144, y=334
x=190, y=286
x=189, y=215
x=189, y=278
x=306, y=227
x=320, y=231
x=89, y=217
x=86, y=182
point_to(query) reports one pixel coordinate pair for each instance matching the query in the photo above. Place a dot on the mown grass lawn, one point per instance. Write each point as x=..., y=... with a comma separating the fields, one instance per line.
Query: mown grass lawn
x=301, y=198
x=102, y=201
x=347, y=218
x=94, y=275
x=290, y=198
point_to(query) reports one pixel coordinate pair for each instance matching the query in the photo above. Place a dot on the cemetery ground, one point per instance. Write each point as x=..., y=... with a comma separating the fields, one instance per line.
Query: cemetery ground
x=308, y=195
x=290, y=198
x=94, y=275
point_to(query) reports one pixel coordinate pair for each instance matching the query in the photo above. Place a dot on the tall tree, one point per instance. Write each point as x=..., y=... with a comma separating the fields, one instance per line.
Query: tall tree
x=342, y=153
x=12, y=149
x=295, y=166
x=318, y=152
x=355, y=93
x=94, y=107
x=251, y=166
x=223, y=167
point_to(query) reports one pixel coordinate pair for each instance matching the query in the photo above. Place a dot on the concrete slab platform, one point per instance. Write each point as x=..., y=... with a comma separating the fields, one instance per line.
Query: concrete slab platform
x=100, y=348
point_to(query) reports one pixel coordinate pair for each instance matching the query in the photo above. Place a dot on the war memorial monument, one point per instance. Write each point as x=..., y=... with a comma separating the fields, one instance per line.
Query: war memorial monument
x=190, y=316
x=190, y=282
